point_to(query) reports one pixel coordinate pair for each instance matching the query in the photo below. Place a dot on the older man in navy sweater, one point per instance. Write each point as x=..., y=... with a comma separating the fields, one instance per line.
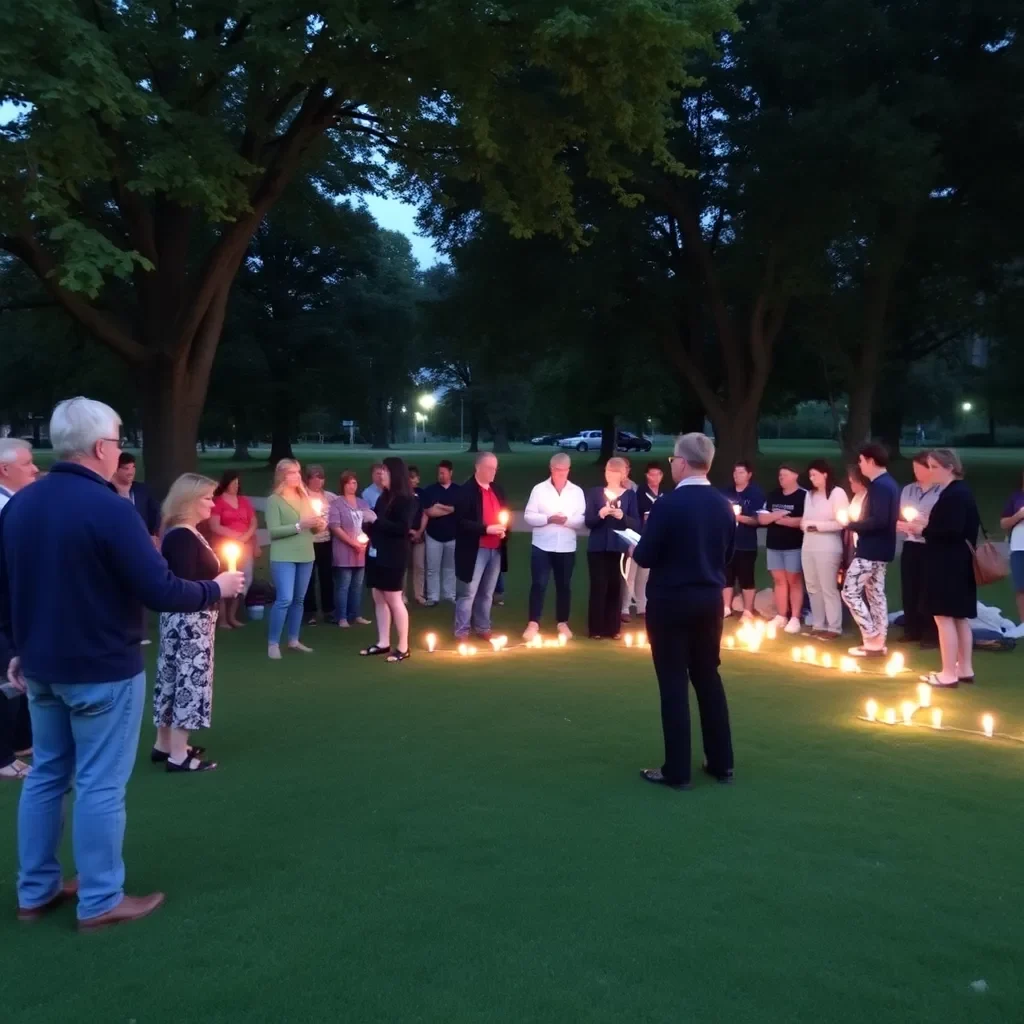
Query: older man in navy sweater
x=687, y=543
x=864, y=585
x=76, y=568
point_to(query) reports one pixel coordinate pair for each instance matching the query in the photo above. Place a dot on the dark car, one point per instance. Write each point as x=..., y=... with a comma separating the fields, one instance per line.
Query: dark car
x=545, y=439
x=627, y=442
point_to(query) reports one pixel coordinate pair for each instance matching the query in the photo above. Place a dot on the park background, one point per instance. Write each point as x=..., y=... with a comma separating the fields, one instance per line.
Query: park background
x=795, y=225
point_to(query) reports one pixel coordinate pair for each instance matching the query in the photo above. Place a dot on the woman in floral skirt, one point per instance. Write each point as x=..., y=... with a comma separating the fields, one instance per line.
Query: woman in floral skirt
x=183, y=692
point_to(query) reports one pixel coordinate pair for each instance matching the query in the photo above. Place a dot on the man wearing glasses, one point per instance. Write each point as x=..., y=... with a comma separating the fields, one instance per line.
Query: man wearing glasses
x=76, y=569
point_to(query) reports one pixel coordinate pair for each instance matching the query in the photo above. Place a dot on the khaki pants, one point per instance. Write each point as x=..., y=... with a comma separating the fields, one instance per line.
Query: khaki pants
x=419, y=571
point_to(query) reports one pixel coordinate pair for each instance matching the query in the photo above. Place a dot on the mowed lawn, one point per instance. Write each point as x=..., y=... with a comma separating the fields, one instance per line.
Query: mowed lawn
x=467, y=840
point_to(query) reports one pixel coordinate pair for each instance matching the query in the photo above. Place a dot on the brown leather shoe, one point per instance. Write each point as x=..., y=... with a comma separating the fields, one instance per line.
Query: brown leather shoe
x=131, y=908
x=68, y=890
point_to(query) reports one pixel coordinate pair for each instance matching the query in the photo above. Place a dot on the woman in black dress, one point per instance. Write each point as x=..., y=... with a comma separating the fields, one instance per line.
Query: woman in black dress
x=950, y=590
x=387, y=559
x=183, y=691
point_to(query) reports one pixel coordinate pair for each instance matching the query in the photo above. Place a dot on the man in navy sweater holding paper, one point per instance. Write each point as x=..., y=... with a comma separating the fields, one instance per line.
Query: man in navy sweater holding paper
x=687, y=542
x=76, y=568
x=864, y=586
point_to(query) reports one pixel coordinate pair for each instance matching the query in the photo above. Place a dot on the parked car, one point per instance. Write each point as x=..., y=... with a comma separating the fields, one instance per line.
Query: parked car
x=584, y=441
x=544, y=439
x=627, y=442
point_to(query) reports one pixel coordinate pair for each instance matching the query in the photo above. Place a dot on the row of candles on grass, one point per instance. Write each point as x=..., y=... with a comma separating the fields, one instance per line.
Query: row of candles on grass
x=873, y=713
x=497, y=643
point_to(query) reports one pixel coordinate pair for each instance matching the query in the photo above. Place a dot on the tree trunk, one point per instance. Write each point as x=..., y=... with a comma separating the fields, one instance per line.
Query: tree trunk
x=607, y=424
x=282, y=425
x=474, y=428
x=171, y=410
x=858, y=421
x=735, y=441
x=379, y=431
x=500, y=443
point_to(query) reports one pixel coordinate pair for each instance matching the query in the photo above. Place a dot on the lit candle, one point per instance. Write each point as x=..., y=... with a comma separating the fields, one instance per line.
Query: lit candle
x=562, y=640
x=988, y=725
x=610, y=495
x=738, y=509
x=810, y=655
x=495, y=644
x=363, y=539
x=798, y=654
x=641, y=639
x=231, y=553
x=924, y=695
x=431, y=642
x=854, y=513
x=503, y=642
x=503, y=517
x=730, y=642
x=908, y=707
x=910, y=513
x=537, y=641
x=890, y=716
x=471, y=650
x=936, y=718
x=847, y=664
x=463, y=650
x=318, y=506
x=871, y=710
x=628, y=639
x=843, y=517
x=826, y=661
x=895, y=665
x=771, y=631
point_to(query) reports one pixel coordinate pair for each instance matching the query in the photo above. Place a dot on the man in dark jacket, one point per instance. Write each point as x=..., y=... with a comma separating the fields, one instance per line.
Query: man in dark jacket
x=864, y=585
x=138, y=494
x=76, y=568
x=481, y=520
x=687, y=543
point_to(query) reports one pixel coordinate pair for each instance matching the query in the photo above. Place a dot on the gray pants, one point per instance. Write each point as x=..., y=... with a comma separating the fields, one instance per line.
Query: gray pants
x=440, y=569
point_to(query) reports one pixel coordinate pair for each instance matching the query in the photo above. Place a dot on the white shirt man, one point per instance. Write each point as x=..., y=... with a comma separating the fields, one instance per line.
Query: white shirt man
x=555, y=511
x=17, y=467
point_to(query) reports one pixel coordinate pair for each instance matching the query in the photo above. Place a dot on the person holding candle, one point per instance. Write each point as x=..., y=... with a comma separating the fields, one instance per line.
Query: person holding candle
x=916, y=500
x=747, y=499
x=686, y=544
x=77, y=565
x=388, y=558
x=1012, y=521
x=322, y=579
x=608, y=509
x=950, y=532
x=345, y=520
x=439, y=506
x=555, y=511
x=782, y=514
x=822, y=550
x=291, y=523
x=183, y=688
x=234, y=521
x=875, y=528
x=480, y=551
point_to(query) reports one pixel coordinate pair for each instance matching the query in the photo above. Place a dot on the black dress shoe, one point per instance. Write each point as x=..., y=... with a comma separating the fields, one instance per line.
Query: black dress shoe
x=654, y=775
x=726, y=778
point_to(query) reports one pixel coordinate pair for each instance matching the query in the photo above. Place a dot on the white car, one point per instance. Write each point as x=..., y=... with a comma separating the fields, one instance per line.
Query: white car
x=584, y=441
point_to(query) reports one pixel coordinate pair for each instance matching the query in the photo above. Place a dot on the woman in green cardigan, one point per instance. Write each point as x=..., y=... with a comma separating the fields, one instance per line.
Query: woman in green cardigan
x=291, y=523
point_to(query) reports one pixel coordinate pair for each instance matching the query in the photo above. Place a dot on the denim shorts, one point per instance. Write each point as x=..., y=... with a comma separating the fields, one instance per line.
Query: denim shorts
x=790, y=561
x=1017, y=570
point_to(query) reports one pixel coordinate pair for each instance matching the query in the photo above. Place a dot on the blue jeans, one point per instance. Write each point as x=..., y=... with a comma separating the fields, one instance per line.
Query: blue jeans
x=291, y=581
x=88, y=735
x=473, y=599
x=348, y=592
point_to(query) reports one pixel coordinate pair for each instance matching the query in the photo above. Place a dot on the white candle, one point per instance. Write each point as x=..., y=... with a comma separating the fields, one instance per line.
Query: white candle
x=871, y=710
x=431, y=642
x=628, y=639
x=737, y=509
x=988, y=725
x=924, y=695
x=826, y=661
x=231, y=553
x=730, y=642
x=908, y=707
x=798, y=654
x=890, y=716
x=463, y=650
x=936, y=718
x=641, y=639
x=318, y=506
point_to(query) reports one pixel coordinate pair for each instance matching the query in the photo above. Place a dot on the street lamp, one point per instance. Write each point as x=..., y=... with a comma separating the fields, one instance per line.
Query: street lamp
x=427, y=402
x=966, y=406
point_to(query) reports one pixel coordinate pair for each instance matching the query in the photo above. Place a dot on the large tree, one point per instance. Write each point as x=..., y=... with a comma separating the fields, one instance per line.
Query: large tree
x=152, y=139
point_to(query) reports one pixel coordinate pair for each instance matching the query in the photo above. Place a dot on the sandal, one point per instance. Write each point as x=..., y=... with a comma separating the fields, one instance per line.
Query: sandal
x=932, y=679
x=398, y=656
x=373, y=650
x=158, y=756
x=191, y=764
x=14, y=770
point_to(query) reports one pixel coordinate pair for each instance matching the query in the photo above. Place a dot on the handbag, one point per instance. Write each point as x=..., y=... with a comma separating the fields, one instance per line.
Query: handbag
x=990, y=564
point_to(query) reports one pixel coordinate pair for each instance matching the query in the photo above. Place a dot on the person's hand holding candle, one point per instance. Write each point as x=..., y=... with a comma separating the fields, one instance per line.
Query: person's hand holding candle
x=232, y=551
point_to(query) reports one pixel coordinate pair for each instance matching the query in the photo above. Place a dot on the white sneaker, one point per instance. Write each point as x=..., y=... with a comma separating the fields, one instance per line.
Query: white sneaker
x=531, y=631
x=793, y=626
x=564, y=630
x=779, y=621
x=274, y=652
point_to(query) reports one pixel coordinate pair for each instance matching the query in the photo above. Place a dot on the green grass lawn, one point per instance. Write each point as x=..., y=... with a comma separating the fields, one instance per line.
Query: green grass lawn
x=453, y=840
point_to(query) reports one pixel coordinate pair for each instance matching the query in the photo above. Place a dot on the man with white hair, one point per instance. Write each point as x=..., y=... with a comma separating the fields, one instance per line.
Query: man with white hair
x=72, y=589
x=687, y=543
x=17, y=467
x=555, y=511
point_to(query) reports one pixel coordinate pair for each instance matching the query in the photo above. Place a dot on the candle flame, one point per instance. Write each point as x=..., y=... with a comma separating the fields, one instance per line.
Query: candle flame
x=231, y=553
x=471, y=650
x=431, y=642
x=463, y=650
x=936, y=718
x=988, y=725
x=871, y=710
x=318, y=505
x=924, y=695
x=628, y=639
x=363, y=539
x=771, y=631
x=908, y=707
x=895, y=665
x=562, y=640
x=503, y=517
x=910, y=513
x=843, y=517
x=610, y=494
x=826, y=660
x=641, y=639
x=798, y=654
x=737, y=509
x=890, y=716
x=730, y=642
x=847, y=664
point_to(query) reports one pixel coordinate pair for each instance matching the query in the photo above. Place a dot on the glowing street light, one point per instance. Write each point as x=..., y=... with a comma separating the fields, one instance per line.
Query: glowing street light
x=966, y=406
x=427, y=402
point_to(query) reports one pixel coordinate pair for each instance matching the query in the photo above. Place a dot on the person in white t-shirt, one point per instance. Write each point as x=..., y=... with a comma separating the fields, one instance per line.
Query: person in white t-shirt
x=1012, y=522
x=822, y=550
x=555, y=511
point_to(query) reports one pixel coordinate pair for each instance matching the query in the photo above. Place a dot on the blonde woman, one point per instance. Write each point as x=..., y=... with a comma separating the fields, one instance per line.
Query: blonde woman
x=183, y=691
x=291, y=523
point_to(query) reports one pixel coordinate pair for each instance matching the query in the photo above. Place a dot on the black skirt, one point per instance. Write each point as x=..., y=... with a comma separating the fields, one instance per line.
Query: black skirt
x=381, y=577
x=949, y=585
